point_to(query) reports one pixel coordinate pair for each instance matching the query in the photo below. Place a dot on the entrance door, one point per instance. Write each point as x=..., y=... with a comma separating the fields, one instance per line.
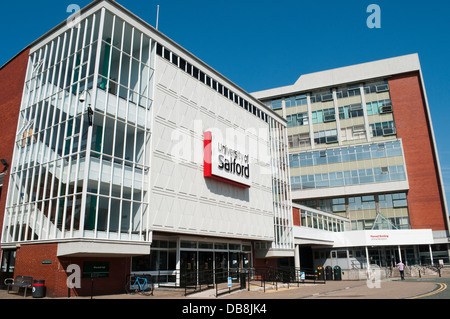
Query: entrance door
x=390, y=259
x=221, y=266
x=235, y=265
x=188, y=267
x=7, y=265
x=205, y=267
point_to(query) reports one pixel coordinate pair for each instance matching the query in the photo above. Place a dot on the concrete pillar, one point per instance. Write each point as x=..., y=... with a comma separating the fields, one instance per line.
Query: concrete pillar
x=297, y=261
x=297, y=257
x=431, y=255
x=367, y=258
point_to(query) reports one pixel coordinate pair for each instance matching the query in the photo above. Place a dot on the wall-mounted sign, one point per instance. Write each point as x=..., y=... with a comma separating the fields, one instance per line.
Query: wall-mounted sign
x=96, y=270
x=225, y=163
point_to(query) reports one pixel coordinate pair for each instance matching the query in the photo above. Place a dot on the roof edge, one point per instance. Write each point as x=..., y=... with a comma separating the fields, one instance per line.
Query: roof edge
x=348, y=74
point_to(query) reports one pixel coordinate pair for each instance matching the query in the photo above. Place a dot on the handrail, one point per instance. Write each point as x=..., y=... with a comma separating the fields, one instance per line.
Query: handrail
x=193, y=281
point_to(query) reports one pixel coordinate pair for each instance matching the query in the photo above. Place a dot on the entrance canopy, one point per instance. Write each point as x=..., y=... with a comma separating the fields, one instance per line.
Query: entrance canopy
x=383, y=238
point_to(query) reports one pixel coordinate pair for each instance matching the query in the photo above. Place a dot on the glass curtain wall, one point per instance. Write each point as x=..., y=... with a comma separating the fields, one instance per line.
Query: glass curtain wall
x=81, y=157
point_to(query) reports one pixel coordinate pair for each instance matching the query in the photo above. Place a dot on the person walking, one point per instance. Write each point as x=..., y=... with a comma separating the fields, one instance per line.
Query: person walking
x=401, y=268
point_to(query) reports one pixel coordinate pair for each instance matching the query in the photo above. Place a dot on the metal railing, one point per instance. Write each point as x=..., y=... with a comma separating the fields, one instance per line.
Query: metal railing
x=226, y=281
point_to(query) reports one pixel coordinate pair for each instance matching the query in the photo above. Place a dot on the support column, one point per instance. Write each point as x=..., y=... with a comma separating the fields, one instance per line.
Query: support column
x=297, y=262
x=297, y=256
x=400, y=254
x=367, y=258
x=431, y=255
x=178, y=263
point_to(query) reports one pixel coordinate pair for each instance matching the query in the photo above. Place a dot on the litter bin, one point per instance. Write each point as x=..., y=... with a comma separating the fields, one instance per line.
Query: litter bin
x=319, y=273
x=38, y=290
x=243, y=281
x=337, y=273
x=329, y=273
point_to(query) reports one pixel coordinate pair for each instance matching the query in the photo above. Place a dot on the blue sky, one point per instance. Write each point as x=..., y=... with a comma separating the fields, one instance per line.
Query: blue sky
x=264, y=44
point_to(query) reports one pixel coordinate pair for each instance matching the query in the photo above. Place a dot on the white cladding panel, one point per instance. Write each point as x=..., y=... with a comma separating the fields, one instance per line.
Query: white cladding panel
x=182, y=200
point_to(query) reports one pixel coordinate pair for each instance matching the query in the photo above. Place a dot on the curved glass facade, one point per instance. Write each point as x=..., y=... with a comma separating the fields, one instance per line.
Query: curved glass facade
x=81, y=158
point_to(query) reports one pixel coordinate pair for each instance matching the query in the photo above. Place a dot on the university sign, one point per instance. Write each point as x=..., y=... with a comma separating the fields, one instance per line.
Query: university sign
x=383, y=237
x=225, y=163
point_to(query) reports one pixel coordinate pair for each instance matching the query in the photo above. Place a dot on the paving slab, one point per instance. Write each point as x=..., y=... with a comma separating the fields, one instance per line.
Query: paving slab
x=385, y=289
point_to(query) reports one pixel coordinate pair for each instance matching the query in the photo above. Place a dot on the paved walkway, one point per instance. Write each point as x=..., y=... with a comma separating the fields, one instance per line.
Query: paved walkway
x=386, y=289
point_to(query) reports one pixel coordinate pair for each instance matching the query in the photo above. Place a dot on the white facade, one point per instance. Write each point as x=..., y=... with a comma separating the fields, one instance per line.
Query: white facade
x=183, y=200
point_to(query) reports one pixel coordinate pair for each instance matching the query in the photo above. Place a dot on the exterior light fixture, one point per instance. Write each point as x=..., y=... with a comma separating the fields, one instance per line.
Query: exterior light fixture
x=83, y=98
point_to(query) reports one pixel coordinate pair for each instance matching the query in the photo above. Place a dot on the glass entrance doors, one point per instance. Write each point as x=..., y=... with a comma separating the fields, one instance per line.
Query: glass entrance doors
x=206, y=267
x=188, y=268
x=7, y=264
x=179, y=261
x=221, y=266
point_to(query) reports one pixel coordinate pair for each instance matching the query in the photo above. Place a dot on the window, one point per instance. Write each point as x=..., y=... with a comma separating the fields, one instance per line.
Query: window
x=297, y=119
x=321, y=97
x=351, y=111
x=299, y=140
x=306, y=159
x=376, y=87
x=166, y=54
x=275, y=104
x=379, y=107
x=347, y=92
x=296, y=100
x=326, y=137
x=386, y=108
x=294, y=160
x=383, y=129
x=382, y=88
x=353, y=133
x=175, y=59
x=338, y=204
x=327, y=97
x=327, y=115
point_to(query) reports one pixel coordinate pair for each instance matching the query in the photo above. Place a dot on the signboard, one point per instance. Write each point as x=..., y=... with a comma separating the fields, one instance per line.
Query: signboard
x=230, y=282
x=226, y=163
x=383, y=237
x=96, y=270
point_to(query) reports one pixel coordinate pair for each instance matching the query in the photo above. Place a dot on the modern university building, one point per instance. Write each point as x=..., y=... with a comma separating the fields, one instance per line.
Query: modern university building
x=128, y=154
x=361, y=146
x=123, y=153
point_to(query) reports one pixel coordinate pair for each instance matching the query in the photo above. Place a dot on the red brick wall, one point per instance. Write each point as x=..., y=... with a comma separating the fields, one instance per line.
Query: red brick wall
x=29, y=260
x=425, y=200
x=12, y=78
x=265, y=262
